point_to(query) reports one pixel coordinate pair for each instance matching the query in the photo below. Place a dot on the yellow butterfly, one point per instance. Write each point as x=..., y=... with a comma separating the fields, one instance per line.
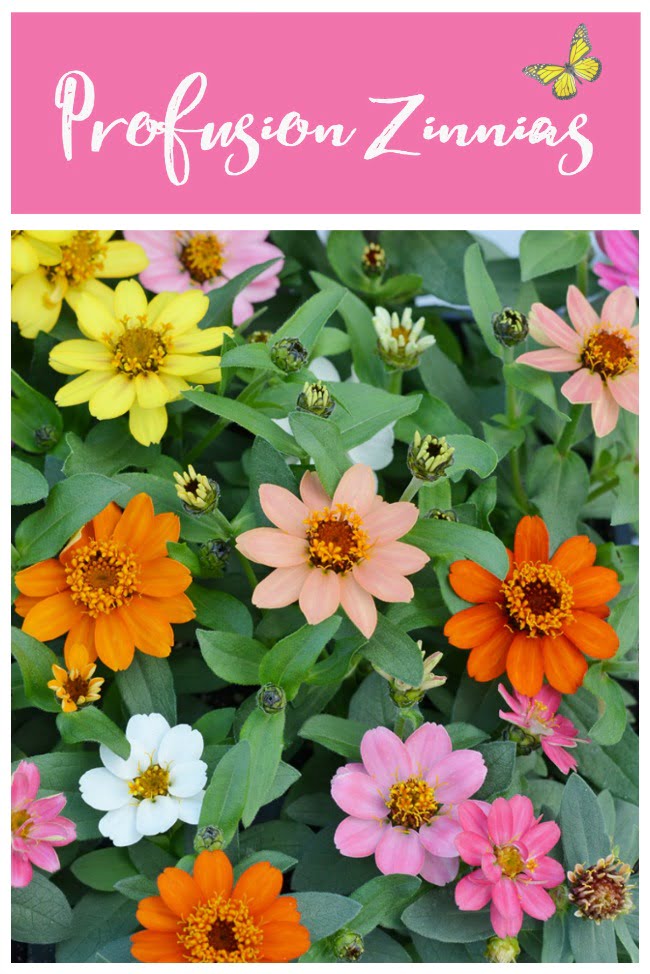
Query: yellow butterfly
x=578, y=68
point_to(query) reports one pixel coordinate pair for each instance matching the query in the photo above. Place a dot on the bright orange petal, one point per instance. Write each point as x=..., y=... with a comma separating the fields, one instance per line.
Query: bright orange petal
x=24, y=603
x=259, y=886
x=165, y=527
x=43, y=579
x=284, y=942
x=135, y=523
x=565, y=666
x=213, y=874
x=574, y=554
x=52, y=617
x=285, y=909
x=474, y=583
x=591, y=635
x=153, y=913
x=525, y=664
x=531, y=540
x=593, y=586
x=173, y=608
x=178, y=890
x=113, y=641
x=487, y=661
x=76, y=656
x=149, y=632
x=156, y=947
x=164, y=576
x=83, y=633
x=602, y=611
x=104, y=523
x=471, y=627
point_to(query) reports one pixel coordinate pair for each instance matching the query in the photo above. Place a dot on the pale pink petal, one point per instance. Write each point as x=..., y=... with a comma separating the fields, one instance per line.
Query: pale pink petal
x=549, y=872
x=619, y=309
x=272, y=547
x=21, y=791
x=472, y=847
x=387, y=586
x=21, y=869
x=390, y=521
x=536, y=901
x=357, y=488
x=399, y=557
x=582, y=315
x=427, y=745
x=47, y=808
x=32, y=776
x=458, y=776
x=385, y=757
x=506, y=926
x=474, y=817
x=522, y=817
x=541, y=838
x=359, y=606
x=357, y=837
x=604, y=413
x=551, y=360
x=359, y=795
x=583, y=386
x=473, y=892
x=284, y=509
x=281, y=587
x=439, y=870
x=500, y=822
x=625, y=390
x=554, y=329
x=43, y=855
x=320, y=596
x=399, y=852
x=242, y=309
x=58, y=831
x=439, y=836
x=313, y=492
x=504, y=896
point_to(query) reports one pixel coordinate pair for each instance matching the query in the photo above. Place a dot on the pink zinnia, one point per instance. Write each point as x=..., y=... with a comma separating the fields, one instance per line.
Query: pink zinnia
x=402, y=802
x=509, y=845
x=622, y=248
x=539, y=717
x=602, y=352
x=36, y=826
x=207, y=259
x=334, y=551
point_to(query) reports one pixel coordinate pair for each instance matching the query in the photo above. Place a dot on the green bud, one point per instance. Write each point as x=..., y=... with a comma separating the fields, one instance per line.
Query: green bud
x=198, y=493
x=208, y=838
x=348, y=945
x=526, y=743
x=46, y=436
x=214, y=555
x=315, y=398
x=429, y=457
x=560, y=896
x=435, y=514
x=502, y=950
x=259, y=337
x=271, y=699
x=405, y=699
x=373, y=260
x=510, y=327
x=289, y=354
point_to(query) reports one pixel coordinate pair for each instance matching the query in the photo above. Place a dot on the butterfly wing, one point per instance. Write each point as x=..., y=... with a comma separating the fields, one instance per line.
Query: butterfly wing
x=580, y=44
x=544, y=73
x=565, y=86
x=588, y=68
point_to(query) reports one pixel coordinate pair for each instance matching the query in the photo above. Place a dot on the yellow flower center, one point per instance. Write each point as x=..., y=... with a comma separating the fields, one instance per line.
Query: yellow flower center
x=538, y=599
x=203, y=256
x=509, y=860
x=18, y=822
x=220, y=931
x=411, y=803
x=337, y=541
x=609, y=353
x=102, y=576
x=140, y=350
x=82, y=258
x=151, y=783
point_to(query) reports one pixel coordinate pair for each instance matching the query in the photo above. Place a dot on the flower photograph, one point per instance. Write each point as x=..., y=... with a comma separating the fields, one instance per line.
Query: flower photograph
x=324, y=596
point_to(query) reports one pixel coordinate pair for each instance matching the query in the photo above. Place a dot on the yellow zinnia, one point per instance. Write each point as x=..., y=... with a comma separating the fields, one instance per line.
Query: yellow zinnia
x=138, y=357
x=84, y=256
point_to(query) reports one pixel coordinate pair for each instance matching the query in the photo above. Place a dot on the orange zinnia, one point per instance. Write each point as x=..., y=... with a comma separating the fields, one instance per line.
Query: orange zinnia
x=113, y=588
x=541, y=619
x=202, y=919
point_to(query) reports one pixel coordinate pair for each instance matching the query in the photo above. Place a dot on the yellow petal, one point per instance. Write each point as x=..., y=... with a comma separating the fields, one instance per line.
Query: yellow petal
x=157, y=304
x=31, y=308
x=150, y=391
x=80, y=389
x=184, y=311
x=174, y=385
x=114, y=398
x=147, y=425
x=187, y=365
x=201, y=340
x=24, y=259
x=78, y=355
x=50, y=236
x=205, y=378
x=130, y=300
x=46, y=253
x=98, y=289
x=94, y=318
x=123, y=259
x=105, y=235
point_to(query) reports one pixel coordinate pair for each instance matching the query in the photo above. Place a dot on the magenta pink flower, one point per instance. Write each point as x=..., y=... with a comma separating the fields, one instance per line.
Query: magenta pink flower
x=334, y=551
x=602, y=352
x=36, y=826
x=509, y=846
x=622, y=248
x=207, y=259
x=402, y=802
x=539, y=717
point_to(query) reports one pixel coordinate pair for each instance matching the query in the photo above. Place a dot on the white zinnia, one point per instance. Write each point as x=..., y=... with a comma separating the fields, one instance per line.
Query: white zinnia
x=162, y=781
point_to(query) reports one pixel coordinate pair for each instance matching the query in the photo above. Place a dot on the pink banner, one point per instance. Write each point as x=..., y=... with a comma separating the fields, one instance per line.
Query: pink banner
x=326, y=113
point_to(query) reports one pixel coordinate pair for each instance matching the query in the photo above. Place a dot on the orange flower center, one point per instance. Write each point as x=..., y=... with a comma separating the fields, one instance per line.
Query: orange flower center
x=82, y=258
x=102, y=576
x=509, y=860
x=20, y=822
x=609, y=353
x=203, y=256
x=140, y=349
x=220, y=931
x=337, y=541
x=411, y=803
x=538, y=599
x=151, y=783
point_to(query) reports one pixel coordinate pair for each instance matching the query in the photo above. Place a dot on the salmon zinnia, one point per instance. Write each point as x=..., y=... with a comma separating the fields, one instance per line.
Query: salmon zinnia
x=112, y=589
x=541, y=619
x=203, y=919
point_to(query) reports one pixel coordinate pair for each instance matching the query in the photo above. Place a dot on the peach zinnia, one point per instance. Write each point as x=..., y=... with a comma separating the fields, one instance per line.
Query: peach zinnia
x=334, y=551
x=202, y=919
x=541, y=619
x=112, y=589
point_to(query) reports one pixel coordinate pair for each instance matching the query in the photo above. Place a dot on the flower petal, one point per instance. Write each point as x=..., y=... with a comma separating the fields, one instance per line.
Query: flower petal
x=573, y=554
x=114, y=398
x=389, y=586
x=525, y=664
x=488, y=660
x=474, y=583
x=399, y=851
x=359, y=605
x=619, y=309
x=399, y=557
x=385, y=757
x=472, y=847
x=592, y=635
x=284, y=509
x=583, y=386
x=119, y=826
x=357, y=488
x=535, y=901
x=582, y=315
x=270, y=546
x=471, y=627
x=357, y=838
x=281, y=587
x=320, y=595
x=564, y=665
x=531, y=540
x=593, y=586
x=258, y=886
x=213, y=874
x=439, y=836
x=312, y=492
x=625, y=391
x=156, y=815
x=359, y=795
x=178, y=890
x=551, y=360
x=439, y=870
x=427, y=745
x=187, y=779
x=473, y=892
x=147, y=426
x=388, y=522
x=51, y=617
x=458, y=776
x=553, y=329
x=103, y=790
x=604, y=413
x=180, y=744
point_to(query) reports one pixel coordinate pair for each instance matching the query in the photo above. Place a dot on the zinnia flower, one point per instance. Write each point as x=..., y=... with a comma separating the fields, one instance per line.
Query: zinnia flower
x=203, y=919
x=334, y=551
x=36, y=826
x=137, y=357
x=622, y=249
x=207, y=259
x=112, y=589
x=76, y=685
x=603, y=891
x=159, y=783
x=402, y=801
x=541, y=618
x=602, y=352
x=509, y=845
x=538, y=716
x=400, y=341
x=86, y=255
x=30, y=248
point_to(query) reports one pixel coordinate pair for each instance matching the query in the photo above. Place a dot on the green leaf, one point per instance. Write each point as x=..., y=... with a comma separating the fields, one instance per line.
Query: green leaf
x=436, y=255
x=344, y=251
x=544, y=251
x=136, y=887
x=90, y=724
x=611, y=724
x=471, y=454
x=432, y=416
x=436, y=916
x=115, y=952
x=626, y=504
x=267, y=466
x=391, y=650
x=590, y=943
x=368, y=410
x=535, y=382
x=149, y=859
x=70, y=505
x=363, y=337
x=31, y=413
x=225, y=796
x=330, y=342
x=335, y=733
x=98, y=918
x=381, y=897
x=147, y=687
x=102, y=868
x=325, y=913
x=265, y=734
x=221, y=299
x=280, y=860
x=445, y=539
x=398, y=289
x=321, y=439
x=558, y=485
x=28, y=485
x=465, y=735
x=584, y=837
x=219, y=610
x=254, y=356
x=232, y=657
x=40, y=913
x=215, y=726
x=554, y=940
x=247, y=417
x=308, y=321
x=483, y=297
x=500, y=758
x=108, y=449
x=35, y=661
x=291, y=659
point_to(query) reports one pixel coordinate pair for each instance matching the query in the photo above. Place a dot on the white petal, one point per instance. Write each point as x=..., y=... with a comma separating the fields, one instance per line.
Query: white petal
x=122, y=769
x=181, y=743
x=145, y=732
x=101, y=789
x=120, y=827
x=323, y=369
x=186, y=779
x=156, y=815
x=189, y=809
x=377, y=452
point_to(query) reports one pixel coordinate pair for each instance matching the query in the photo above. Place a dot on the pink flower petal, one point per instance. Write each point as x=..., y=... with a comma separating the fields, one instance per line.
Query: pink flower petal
x=472, y=847
x=506, y=926
x=583, y=386
x=619, y=309
x=399, y=557
x=554, y=329
x=357, y=838
x=387, y=586
x=458, y=776
x=536, y=901
x=474, y=818
x=548, y=873
x=541, y=838
x=31, y=780
x=43, y=855
x=439, y=836
x=604, y=413
x=399, y=852
x=385, y=757
x=390, y=521
x=427, y=745
x=21, y=870
x=320, y=595
x=358, y=488
x=359, y=795
x=473, y=892
x=582, y=315
x=517, y=701
x=625, y=390
x=47, y=808
x=439, y=870
x=550, y=698
x=270, y=546
x=313, y=493
x=58, y=832
x=506, y=900
x=500, y=822
x=359, y=605
x=284, y=509
x=551, y=360
x=491, y=869
x=562, y=760
x=622, y=248
x=281, y=587
x=523, y=818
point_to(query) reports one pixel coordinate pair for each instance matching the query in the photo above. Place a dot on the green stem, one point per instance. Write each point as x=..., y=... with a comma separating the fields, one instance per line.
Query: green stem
x=565, y=442
x=395, y=382
x=603, y=489
x=221, y=522
x=411, y=489
x=582, y=275
x=247, y=393
x=512, y=413
x=403, y=722
x=248, y=570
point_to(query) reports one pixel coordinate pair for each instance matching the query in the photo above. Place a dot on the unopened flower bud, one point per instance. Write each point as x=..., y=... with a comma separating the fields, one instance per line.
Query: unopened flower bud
x=289, y=354
x=260, y=337
x=348, y=945
x=399, y=343
x=560, y=896
x=510, y=327
x=315, y=398
x=603, y=891
x=502, y=950
x=208, y=838
x=198, y=493
x=46, y=436
x=373, y=260
x=525, y=741
x=429, y=457
x=214, y=555
x=271, y=699
x=435, y=514
x=403, y=694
